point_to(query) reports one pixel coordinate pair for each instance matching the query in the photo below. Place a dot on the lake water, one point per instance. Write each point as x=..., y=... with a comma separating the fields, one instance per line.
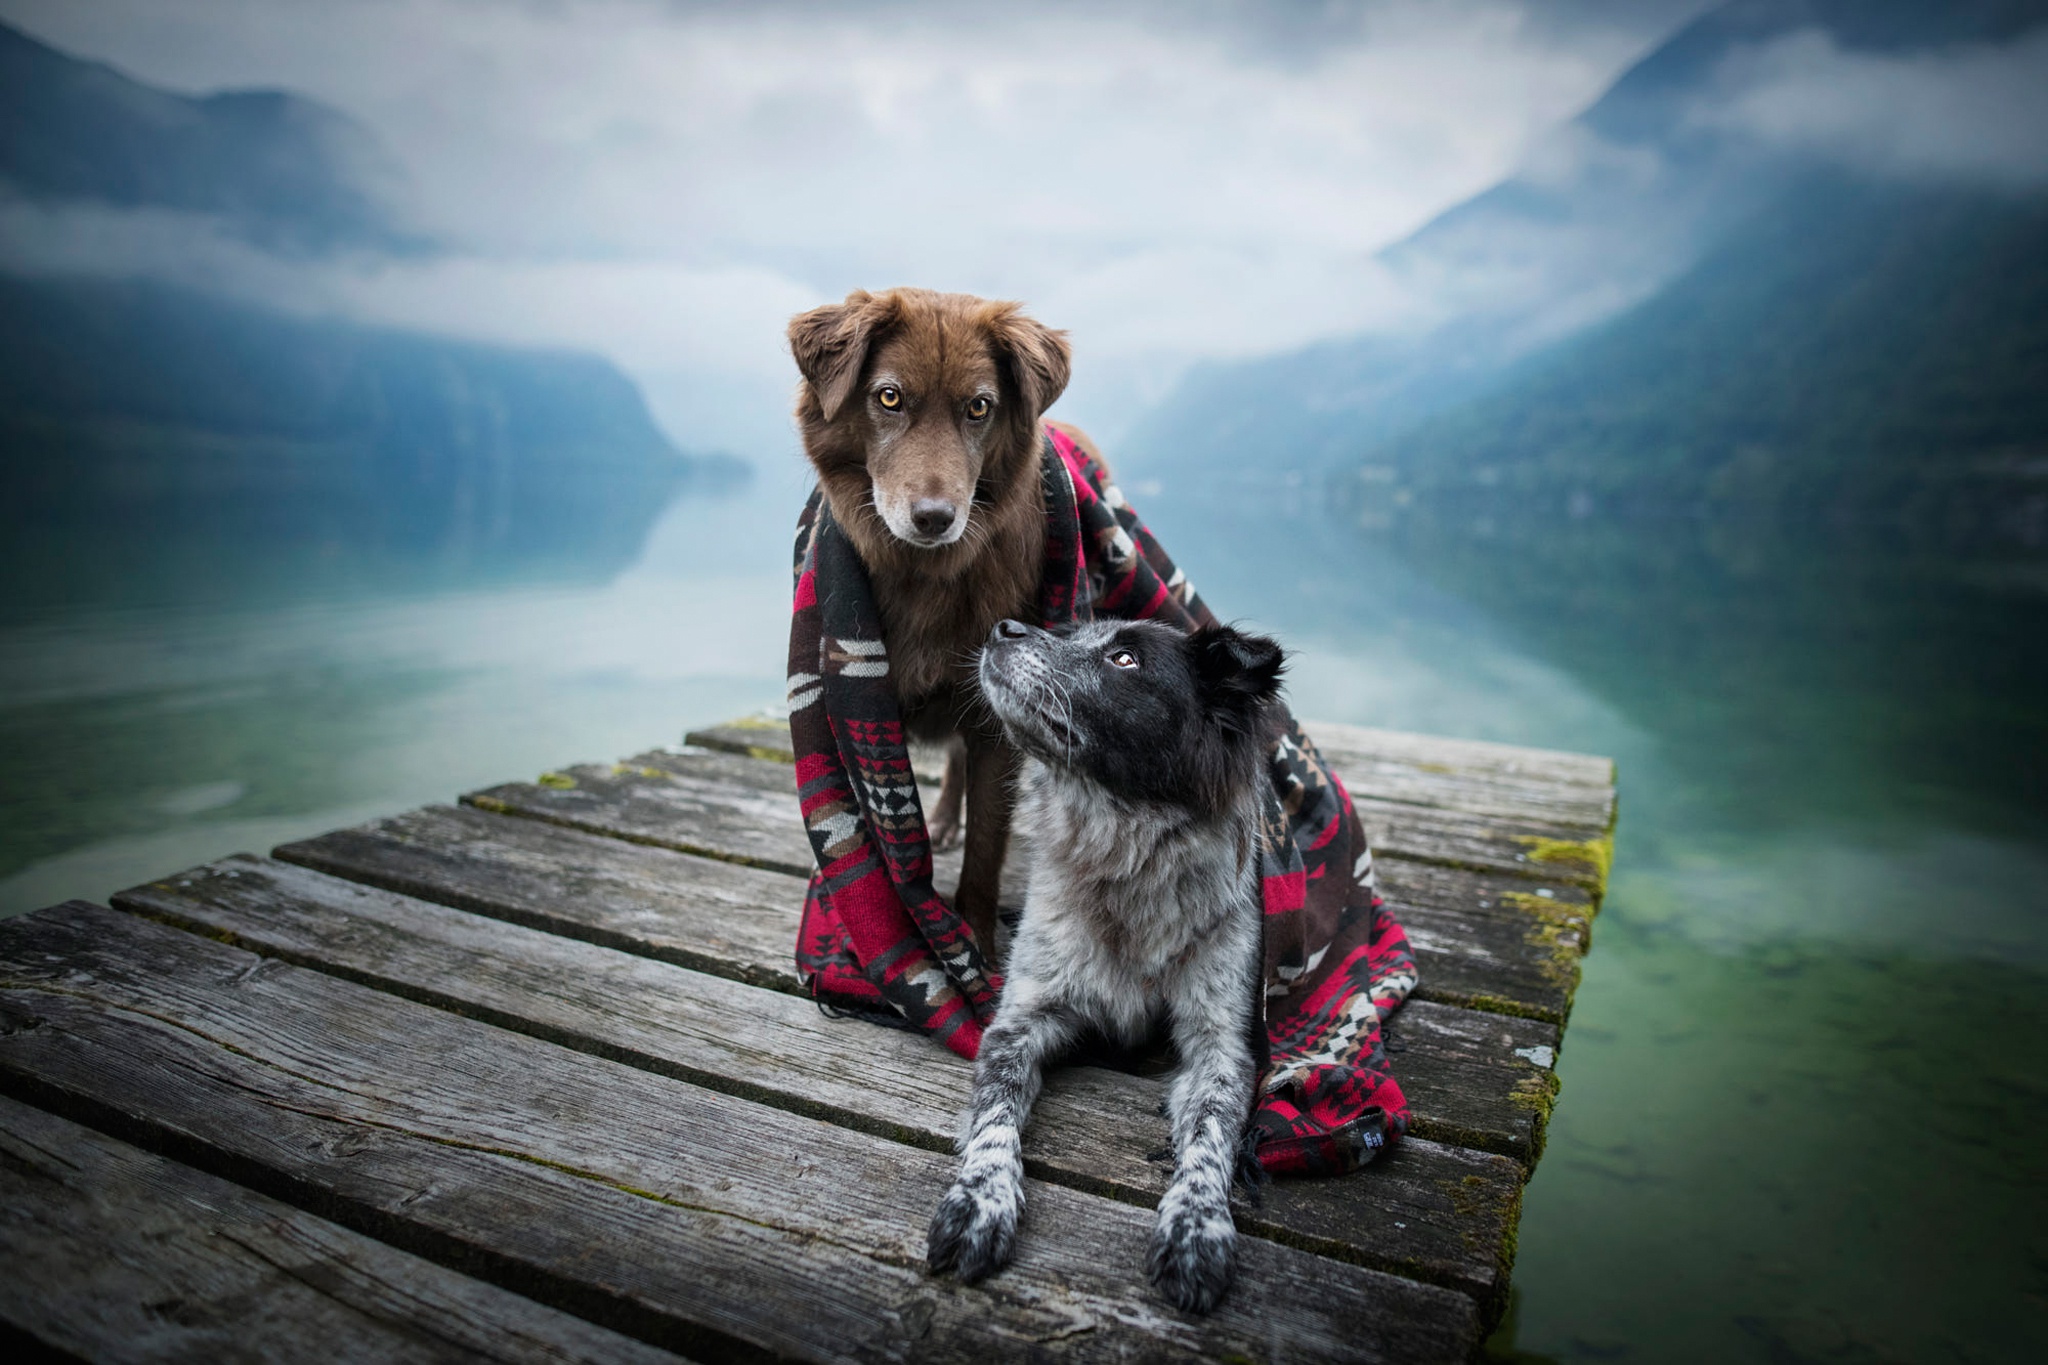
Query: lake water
x=1801, y=1097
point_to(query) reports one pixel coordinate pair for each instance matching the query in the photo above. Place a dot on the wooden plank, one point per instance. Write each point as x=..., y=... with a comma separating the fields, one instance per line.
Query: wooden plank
x=660, y=904
x=1581, y=812
x=1468, y=775
x=1541, y=849
x=1430, y=1212
x=766, y=735
x=714, y=811
x=1475, y=757
x=1485, y=843
x=701, y=801
x=1509, y=955
x=1491, y=942
x=1475, y=1079
x=110, y=1253
x=744, y=810
x=702, y=913
x=1482, y=941
x=679, y=1215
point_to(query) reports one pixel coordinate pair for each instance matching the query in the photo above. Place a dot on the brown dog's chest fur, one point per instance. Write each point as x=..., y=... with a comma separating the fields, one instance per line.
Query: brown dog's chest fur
x=916, y=406
x=934, y=625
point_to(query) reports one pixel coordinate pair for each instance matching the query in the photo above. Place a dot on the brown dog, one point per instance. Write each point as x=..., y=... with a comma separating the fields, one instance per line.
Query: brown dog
x=920, y=412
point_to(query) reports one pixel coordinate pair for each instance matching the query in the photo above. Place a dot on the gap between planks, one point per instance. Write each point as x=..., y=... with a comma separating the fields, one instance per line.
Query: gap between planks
x=1431, y=1212
x=1473, y=1079
x=686, y=1218
x=207, y=1270
x=1500, y=940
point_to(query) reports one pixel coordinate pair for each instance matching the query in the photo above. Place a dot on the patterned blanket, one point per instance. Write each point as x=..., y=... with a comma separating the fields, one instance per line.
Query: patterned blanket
x=876, y=935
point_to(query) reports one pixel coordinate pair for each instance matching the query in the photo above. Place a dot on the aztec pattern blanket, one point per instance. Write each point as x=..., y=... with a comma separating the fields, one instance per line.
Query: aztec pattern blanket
x=876, y=936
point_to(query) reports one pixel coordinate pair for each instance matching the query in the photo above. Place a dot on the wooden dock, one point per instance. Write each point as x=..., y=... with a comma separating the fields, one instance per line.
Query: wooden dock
x=530, y=1078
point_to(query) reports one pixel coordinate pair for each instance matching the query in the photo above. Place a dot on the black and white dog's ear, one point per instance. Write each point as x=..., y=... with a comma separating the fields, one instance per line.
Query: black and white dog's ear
x=1237, y=674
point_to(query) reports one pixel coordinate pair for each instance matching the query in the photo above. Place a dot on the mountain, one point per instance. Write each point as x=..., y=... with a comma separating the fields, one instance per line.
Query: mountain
x=159, y=440
x=281, y=170
x=1621, y=206
x=144, y=406
x=1861, y=349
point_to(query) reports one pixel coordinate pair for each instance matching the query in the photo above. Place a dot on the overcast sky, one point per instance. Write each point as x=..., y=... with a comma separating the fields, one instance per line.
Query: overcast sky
x=666, y=183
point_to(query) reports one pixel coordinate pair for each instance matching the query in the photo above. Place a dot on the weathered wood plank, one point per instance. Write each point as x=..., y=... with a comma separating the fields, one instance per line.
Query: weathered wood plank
x=1431, y=1212
x=1476, y=1079
x=1491, y=942
x=1506, y=955
x=682, y=1216
x=696, y=913
x=744, y=810
x=766, y=735
x=110, y=1253
x=719, y=814
x=1475, y=757
x=1467, y=775
x=1482, y=941
x=1484, y=843
x=718, y=805
x=1542, y=849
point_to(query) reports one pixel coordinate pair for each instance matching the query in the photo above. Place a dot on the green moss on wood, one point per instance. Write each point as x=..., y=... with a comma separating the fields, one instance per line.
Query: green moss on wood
x=557, y=781
x=1579, y=855
x=1560, y=926
x=1482, y=1207
x=1495, y=1004
x=735, y=736
x=1536, y=1093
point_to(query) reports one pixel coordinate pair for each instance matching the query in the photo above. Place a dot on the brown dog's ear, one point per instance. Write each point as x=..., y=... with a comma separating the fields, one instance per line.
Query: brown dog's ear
x=1039, y=359
x=831, y=343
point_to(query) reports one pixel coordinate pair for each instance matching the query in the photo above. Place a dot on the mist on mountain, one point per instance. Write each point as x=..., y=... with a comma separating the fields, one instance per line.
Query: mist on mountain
x=285, y=172
x=214, y=427
x=1795, y=253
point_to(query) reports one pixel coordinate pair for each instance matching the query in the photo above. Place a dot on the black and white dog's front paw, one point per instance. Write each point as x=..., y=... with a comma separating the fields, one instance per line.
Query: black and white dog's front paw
x=1193, y=1257
x=975, y=1229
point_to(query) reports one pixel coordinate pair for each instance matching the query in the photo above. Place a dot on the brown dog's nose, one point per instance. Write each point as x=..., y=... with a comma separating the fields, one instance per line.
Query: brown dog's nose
x=1008, y=630
x=932, y=516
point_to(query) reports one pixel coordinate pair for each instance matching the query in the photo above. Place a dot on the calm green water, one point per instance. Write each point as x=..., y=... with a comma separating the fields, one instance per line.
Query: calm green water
x=1801, y=1094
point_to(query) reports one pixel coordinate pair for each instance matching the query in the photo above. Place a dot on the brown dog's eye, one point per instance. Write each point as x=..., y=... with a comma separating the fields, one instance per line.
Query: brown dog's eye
x=978, y=407
x=1123, y=658
x=889, y=396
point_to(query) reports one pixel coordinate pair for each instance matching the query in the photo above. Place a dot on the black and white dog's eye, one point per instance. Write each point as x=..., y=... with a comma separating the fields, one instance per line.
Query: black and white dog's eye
x=1123, y=658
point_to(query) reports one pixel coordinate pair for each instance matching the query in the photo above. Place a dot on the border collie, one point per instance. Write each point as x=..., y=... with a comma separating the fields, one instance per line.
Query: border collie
x=1144, y=761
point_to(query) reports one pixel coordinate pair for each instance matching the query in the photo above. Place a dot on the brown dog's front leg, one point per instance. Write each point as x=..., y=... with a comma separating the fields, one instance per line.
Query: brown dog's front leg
x=991, y=791
x=945, y=822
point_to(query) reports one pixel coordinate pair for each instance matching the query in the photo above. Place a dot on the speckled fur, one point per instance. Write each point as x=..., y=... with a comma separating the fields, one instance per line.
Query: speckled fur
x=1140, y=798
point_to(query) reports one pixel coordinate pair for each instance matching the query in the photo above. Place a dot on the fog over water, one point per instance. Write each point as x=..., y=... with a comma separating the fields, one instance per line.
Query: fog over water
x=1648, y=380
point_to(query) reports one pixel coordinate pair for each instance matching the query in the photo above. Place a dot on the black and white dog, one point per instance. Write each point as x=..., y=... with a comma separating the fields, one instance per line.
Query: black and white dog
x=1145, y=752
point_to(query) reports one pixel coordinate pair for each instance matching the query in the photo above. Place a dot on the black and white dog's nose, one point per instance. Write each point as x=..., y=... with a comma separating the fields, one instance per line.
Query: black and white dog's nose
x=932, y=516
x=1008, y=630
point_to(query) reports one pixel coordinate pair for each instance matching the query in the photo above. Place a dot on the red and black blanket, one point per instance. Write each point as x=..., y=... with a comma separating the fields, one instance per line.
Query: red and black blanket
x=877, y=935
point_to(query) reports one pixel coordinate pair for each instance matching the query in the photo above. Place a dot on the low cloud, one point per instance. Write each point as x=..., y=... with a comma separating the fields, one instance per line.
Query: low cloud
x=1975, y=113
x=665, y=183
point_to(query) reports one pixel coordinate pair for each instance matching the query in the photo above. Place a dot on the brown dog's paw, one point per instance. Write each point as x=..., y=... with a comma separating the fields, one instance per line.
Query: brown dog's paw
x=945, y=832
